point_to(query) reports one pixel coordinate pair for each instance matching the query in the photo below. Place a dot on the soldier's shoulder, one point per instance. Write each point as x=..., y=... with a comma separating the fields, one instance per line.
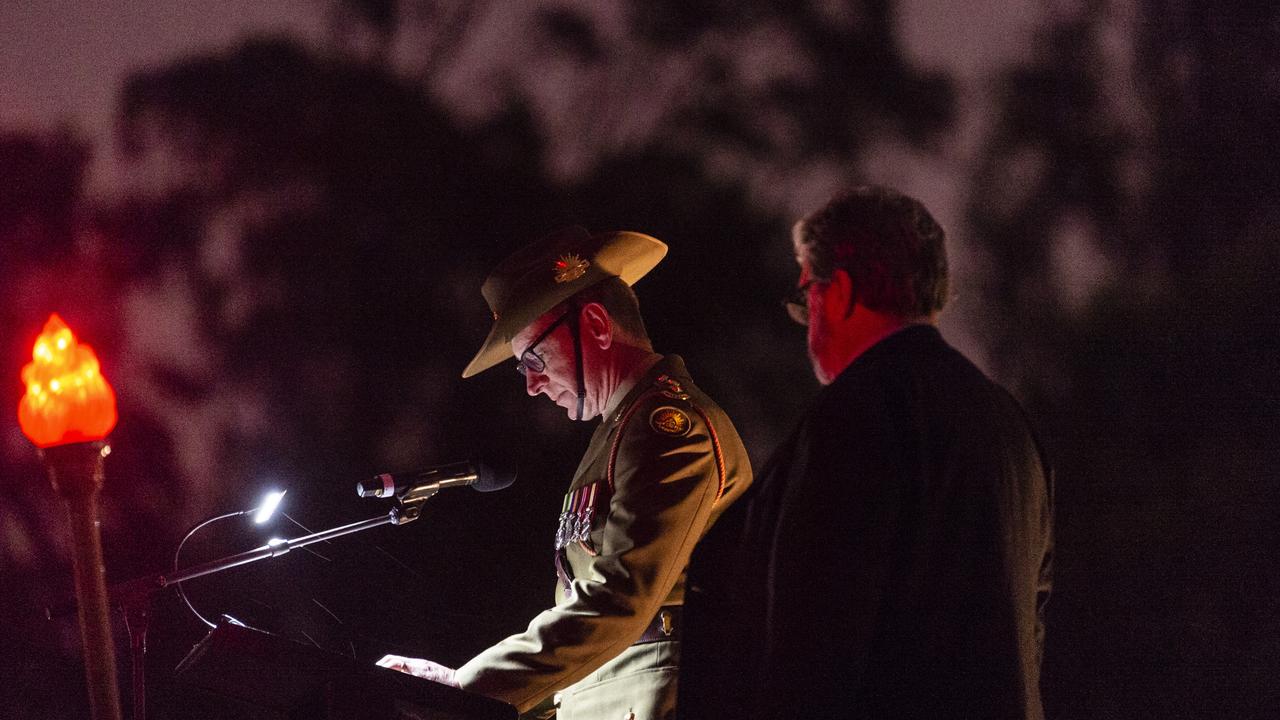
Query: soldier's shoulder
x=664, y=415
x=670, y=407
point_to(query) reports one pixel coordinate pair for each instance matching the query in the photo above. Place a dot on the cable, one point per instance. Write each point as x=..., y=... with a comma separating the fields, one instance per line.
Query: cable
x=182, y=593
x=306, y=530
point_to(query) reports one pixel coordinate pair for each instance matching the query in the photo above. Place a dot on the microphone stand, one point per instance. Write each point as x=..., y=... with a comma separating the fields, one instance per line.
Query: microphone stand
x=133, y=597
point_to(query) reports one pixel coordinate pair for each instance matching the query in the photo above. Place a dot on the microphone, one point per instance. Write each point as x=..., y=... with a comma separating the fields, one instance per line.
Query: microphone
x=421, y=484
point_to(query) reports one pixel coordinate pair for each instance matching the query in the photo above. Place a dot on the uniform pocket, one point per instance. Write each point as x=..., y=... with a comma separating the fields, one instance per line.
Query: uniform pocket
x=641, y=695
x=641, y=680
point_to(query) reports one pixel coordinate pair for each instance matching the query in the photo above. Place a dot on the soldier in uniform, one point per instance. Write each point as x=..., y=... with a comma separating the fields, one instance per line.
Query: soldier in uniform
x=663, y=464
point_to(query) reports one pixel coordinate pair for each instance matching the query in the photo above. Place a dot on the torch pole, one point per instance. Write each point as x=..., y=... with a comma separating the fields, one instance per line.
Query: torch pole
x=76, y=471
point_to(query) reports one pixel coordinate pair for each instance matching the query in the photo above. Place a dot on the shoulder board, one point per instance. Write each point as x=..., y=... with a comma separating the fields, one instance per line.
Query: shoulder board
x=670, y=387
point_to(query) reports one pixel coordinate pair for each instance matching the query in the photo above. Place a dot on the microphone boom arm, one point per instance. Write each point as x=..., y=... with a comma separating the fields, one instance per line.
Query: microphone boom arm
x=398, y=515
x=132, y=591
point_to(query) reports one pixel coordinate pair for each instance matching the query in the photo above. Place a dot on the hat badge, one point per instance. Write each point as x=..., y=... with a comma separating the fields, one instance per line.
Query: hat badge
x=570, y=267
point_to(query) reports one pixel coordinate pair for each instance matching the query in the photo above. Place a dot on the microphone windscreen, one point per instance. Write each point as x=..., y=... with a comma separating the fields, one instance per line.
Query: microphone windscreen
x=493, y=476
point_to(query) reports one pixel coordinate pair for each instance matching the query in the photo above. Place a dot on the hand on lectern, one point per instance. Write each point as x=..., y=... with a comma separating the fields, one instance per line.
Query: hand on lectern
x=420, y=668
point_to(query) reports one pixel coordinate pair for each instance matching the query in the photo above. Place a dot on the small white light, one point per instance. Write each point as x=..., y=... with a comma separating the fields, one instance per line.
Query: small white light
x=268, y=506
x=276, y=542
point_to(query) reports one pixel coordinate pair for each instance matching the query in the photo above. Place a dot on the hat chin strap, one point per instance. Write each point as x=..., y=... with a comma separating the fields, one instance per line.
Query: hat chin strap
x=577, y=358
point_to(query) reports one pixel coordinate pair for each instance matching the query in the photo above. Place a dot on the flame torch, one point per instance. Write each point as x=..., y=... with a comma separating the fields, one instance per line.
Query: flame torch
x=67, y=412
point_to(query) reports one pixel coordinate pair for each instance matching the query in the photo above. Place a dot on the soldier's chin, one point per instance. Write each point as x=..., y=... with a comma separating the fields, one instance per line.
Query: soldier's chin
x=569, y=401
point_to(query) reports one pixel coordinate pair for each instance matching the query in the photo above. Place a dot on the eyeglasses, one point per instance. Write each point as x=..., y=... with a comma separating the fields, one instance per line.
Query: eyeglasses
x=532, y=361
x=797, y=303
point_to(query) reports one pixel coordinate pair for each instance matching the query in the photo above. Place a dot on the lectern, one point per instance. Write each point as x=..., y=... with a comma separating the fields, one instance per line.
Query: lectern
x=272, y=677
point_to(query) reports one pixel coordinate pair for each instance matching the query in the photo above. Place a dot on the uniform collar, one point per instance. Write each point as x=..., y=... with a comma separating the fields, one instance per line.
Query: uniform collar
x=623, y=397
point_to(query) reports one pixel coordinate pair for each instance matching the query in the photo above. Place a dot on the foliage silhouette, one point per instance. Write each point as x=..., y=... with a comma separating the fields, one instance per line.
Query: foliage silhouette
x=1157, y=390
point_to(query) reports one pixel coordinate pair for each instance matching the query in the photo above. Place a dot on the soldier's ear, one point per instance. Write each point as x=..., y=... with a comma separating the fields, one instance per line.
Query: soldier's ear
x=840, y=294
x=597, y=326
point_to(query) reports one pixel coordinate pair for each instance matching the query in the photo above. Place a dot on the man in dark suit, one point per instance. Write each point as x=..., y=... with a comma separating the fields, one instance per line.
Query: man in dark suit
x=894, y=558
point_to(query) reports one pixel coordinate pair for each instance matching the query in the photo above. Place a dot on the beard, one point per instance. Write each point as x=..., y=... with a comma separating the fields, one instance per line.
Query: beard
x=819, y=346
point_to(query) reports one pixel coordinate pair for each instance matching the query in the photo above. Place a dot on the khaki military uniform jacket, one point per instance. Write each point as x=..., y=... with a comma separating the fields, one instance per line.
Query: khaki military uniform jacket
x=663, y=465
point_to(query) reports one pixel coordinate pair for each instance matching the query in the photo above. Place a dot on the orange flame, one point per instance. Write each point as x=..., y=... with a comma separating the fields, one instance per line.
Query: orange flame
x=67, y=399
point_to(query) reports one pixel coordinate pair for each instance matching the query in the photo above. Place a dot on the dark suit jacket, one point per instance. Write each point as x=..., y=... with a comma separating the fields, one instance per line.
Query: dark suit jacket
x=893, y=560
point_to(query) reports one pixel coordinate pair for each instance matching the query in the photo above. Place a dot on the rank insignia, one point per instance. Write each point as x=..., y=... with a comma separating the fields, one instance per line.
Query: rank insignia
x=670, y=387
x=570, y=267
x=667, y=420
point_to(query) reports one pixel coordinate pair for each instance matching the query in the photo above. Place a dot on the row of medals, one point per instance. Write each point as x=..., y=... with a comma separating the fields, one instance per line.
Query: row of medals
x=576, y=514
